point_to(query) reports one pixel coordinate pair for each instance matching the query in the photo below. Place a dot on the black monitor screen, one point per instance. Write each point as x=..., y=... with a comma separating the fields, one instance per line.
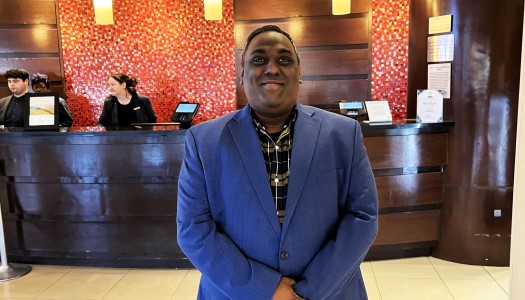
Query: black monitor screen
x=186, y=108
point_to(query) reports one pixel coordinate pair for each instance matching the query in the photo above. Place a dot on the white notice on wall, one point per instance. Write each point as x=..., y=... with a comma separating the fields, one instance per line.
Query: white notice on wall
x=440, y=48
x=440, y=24
x=439, y=78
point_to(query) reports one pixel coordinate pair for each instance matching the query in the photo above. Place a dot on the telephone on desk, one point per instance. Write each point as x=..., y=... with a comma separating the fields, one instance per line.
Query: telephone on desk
x=184, y=113
x=352, y=109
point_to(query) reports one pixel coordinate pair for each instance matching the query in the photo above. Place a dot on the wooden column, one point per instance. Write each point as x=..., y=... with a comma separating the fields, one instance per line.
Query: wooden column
x=484, y=101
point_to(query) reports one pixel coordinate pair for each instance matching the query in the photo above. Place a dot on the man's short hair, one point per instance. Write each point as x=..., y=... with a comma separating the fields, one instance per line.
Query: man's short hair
x=267, y=28
x=17, y=73
x=39, y=77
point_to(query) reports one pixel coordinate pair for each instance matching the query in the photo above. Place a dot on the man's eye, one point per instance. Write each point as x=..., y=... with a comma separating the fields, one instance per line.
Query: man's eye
x=258, y=60
x=285, y=60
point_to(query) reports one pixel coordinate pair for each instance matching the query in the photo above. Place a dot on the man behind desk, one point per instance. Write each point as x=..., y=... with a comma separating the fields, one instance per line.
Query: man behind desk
x=276, y=200
x=12, y=107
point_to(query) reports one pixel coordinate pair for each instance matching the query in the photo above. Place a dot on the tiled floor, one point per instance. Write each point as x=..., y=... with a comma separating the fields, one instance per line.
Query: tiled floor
x=413, y=278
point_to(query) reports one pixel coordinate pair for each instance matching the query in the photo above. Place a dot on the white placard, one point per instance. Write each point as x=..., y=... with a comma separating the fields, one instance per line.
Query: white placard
x=429, y=106
x=41, y=111
x=440, y=48
x=378, y=111
x=440, y=24
x=439, y=78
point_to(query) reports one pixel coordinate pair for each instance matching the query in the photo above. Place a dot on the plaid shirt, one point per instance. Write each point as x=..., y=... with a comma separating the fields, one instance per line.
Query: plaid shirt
x=277, y=151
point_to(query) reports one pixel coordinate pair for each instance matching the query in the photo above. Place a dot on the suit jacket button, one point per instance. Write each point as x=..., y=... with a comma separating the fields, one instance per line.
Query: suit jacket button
x=284, y=255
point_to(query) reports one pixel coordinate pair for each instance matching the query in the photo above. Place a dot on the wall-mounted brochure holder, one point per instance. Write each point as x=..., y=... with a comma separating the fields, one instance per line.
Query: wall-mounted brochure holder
x=378, y=112
x=41, y=112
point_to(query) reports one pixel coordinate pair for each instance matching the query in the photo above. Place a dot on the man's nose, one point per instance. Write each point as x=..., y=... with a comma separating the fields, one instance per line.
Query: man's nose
x=272, y=68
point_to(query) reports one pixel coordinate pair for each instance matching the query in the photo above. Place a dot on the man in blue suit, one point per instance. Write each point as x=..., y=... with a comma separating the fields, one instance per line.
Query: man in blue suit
x=276, y=200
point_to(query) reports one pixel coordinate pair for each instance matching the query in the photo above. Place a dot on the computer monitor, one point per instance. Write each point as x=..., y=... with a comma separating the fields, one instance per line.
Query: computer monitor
x=185, y=112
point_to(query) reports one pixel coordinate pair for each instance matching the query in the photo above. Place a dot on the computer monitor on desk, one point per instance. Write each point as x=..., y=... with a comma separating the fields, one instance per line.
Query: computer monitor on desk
x=184, y=113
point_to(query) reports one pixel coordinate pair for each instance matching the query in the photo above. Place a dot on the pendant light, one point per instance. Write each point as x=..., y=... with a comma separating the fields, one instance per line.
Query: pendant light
x=341, y=7
x=103, y=12
x=213, y=10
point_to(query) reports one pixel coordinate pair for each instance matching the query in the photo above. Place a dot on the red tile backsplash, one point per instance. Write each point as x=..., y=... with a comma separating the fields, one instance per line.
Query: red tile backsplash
x=390, y=54
x=176, y=55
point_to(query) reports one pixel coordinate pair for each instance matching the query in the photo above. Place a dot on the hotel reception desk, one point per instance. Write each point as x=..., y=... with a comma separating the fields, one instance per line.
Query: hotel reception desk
x=98, y=197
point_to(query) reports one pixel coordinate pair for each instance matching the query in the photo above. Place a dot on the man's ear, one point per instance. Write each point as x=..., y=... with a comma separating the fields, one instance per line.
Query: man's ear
x=242, y=76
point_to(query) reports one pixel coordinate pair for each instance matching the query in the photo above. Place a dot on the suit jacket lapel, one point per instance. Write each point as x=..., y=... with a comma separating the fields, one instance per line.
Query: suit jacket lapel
x=305, y=136
x=249, y=146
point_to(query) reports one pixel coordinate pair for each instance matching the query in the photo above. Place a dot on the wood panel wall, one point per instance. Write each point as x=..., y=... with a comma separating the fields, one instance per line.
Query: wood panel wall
x=335, y=51
x=30, y=39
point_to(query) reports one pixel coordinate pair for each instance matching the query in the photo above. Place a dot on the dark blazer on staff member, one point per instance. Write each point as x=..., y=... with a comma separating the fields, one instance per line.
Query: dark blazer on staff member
x=4, y=104
x=141, y=104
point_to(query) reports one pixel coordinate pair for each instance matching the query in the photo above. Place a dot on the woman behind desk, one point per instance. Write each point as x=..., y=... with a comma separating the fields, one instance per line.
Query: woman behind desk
x=125, y=106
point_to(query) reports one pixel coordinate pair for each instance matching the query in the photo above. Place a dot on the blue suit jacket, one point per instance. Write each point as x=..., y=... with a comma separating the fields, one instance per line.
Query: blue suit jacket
x=227, y=222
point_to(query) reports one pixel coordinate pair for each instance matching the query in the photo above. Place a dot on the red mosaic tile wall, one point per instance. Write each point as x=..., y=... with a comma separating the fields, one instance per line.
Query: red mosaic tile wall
x=390, y=54
x=174, y=53
x=178, y=56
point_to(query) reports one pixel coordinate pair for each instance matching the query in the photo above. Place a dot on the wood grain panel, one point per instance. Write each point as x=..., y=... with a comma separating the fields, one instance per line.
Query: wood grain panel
x=29, y=40
x=323, y=91
x=46, y=65
x=273, y=9
x=410, y=190
x=4, y=90
x=142, y=238
x=408, y=227
x=314, y=32
x=407, y=151
x=91, y=160
x=335, y=62
x=140, y=198
x=27, y=12
x=326, y=62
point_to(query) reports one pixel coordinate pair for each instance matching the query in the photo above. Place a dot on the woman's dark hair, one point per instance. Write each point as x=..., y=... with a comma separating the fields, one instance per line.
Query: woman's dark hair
x=39, y=77
x=17, y=73
x=131, y=82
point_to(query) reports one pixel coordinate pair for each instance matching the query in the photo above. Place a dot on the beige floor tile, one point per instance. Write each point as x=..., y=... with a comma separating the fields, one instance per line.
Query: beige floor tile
x=158, y=271
x=451, y=270
x=188, y=288
x=419, y=267
x=147, y=284
x=505, y=284
x=87, y=285
x=468, y=289
x=30, y=285
x=90, y=270
x=366, y=269
x=371, y=289
x=412, y=289
x=422, y=260
x=54, y=269
x=498, y=272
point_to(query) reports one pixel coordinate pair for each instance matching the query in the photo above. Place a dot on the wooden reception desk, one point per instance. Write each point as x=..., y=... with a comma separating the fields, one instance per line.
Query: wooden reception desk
x=98, y=197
